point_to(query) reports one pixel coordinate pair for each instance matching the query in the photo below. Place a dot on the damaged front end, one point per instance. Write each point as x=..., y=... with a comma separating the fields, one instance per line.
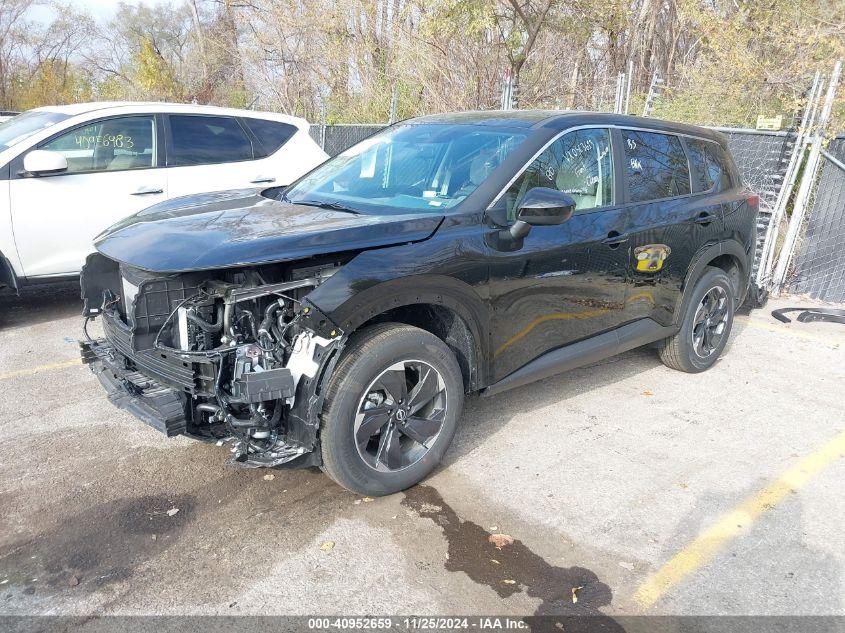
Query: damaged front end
x=236, y=356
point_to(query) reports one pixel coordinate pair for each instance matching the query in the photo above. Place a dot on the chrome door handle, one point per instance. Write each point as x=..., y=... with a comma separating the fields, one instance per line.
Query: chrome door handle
x=145, y=191
x=262, y=179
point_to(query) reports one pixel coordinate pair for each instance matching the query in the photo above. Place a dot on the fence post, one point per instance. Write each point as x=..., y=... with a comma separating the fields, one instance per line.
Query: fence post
x=804, y=189
x=620, y=88
x=394, y=104
x=628, y=89
x=323, y=126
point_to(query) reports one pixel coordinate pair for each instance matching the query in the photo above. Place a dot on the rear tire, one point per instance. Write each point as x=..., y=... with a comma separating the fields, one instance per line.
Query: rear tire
x=706, y=325
x=391, y=409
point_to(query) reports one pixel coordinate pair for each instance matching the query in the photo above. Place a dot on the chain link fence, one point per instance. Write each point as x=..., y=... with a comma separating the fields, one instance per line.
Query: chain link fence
x=762, y=158
x=818, y=268
x=336, y=138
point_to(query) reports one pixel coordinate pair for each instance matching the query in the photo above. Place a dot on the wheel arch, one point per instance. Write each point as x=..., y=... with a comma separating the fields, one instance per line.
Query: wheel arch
x=444, y=306
x=731, y=257
x=7, y=273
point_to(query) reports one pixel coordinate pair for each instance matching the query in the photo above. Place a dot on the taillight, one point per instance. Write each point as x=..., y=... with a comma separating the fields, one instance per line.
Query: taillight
x=753, y=200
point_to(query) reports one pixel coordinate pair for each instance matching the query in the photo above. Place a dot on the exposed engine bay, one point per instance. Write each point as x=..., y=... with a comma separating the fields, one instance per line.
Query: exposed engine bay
x=231, y=356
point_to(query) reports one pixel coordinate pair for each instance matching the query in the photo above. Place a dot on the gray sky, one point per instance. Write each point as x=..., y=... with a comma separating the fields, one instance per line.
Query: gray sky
x=99, y=9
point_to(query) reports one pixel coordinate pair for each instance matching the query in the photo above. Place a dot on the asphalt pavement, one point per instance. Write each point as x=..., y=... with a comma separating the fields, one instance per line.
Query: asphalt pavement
x=621, y=488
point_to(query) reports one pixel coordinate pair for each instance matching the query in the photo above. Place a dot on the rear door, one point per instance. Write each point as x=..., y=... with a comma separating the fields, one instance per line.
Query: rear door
x=114, y=170
x=211, y=153
x=672, y=216
x=565, y=282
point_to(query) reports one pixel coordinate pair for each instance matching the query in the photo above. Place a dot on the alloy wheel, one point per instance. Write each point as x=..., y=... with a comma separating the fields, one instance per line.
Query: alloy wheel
x=710, y=323
x=400, y=415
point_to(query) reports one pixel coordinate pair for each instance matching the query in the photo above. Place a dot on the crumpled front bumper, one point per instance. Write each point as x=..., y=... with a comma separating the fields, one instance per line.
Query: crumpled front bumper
x=151, y=402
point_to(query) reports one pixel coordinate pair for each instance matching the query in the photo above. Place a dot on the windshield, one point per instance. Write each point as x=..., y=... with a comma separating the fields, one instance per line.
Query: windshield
x=409, y=167
x=25, y=125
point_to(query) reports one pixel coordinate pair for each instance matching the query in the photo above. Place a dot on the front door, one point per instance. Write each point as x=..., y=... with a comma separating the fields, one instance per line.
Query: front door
x=567, y=282
x=112, y=173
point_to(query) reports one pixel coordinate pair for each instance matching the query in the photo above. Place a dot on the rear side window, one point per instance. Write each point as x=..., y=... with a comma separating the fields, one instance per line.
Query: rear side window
x=698, y=162
x=204, y=140
x=717, y=166
x=655, y=166
x=708, y=165
x=271, y=134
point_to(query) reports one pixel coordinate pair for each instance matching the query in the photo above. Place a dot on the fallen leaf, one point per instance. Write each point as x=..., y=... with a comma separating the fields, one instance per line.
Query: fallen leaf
x=327, y=546
x=495, y=562
x=648, y=392
x=172, y=511
x=269, y=477
x=575, y=591
x=367, y=499
x=509, y=582
x=493, y=528
x=500, y=540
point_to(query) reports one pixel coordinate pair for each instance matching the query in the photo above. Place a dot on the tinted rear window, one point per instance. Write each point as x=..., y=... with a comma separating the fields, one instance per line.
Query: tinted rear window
x=271, y=134
x=202, y=140
x=655, y=166
x=708, y=165
x=717, y=166
x=698, y=162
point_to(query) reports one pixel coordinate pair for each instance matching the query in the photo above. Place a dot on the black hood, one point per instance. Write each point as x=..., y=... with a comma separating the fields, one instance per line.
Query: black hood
x=232, y=228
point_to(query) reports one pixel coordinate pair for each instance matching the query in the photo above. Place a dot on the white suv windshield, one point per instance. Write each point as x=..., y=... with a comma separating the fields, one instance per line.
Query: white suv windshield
x=25, y=125
x=412, y=167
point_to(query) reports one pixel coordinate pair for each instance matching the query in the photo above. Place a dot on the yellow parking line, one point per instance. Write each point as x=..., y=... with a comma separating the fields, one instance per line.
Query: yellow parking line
x=38, y=370
x=736, y=521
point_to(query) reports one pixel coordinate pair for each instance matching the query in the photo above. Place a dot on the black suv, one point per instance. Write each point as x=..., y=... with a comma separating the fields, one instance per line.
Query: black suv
x=340, y=322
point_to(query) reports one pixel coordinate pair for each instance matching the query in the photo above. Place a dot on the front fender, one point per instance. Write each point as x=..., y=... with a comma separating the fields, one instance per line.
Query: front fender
x=362, y=304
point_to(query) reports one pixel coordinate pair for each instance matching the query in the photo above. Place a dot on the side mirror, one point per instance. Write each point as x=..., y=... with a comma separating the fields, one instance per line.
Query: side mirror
x=41, y=162
x=541, y=206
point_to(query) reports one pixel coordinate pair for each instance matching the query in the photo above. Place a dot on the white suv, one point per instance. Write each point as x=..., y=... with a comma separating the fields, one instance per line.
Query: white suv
x=69, y=172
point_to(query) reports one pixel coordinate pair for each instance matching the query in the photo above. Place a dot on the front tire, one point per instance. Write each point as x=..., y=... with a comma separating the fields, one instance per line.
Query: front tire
x=391, y=409
x=706, y=325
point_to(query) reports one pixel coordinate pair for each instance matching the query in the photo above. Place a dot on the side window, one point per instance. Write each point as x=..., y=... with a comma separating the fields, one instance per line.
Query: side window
x=717, y=169
x=271, y=134
x=698, y=162
x=579, y=163
x=204, y=140
x=655, y=166
x=109, y=145
x=708, y=163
